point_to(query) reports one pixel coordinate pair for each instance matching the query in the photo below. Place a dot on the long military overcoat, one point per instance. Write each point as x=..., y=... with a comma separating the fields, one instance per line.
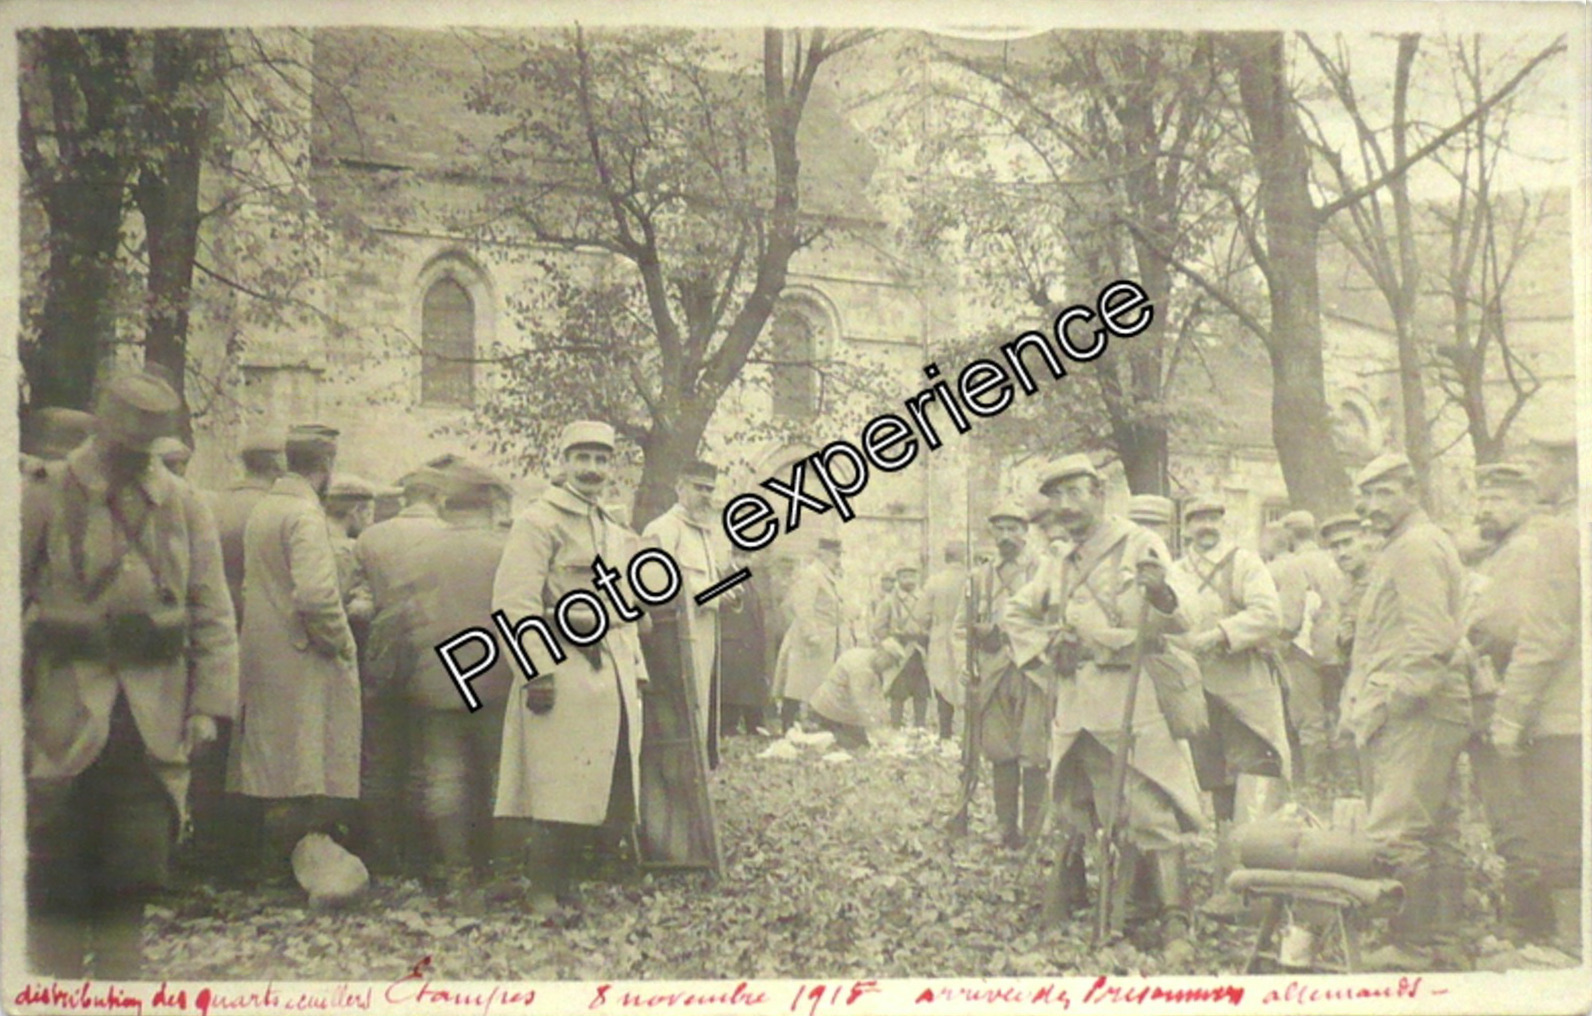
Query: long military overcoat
x=815, y=637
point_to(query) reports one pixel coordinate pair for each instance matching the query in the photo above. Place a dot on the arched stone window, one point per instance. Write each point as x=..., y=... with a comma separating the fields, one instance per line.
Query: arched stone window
x=447, y=344
x=801, y=333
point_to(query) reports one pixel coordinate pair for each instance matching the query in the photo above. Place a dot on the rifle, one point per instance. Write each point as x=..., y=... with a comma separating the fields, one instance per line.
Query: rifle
x=972, y=715
x=1113, y=823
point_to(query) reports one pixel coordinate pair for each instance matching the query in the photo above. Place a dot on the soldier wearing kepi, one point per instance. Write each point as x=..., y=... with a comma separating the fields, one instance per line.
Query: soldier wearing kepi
x=1232, y=611
x=298, y=735
x=814, y=638
x=1153, y=512
x=689, y=533
x=1081, y=611
x=261, y=450
x=132, y=659
x=1537, y=722
x=1012, y=706
x=572, y=736
x=1408, y=705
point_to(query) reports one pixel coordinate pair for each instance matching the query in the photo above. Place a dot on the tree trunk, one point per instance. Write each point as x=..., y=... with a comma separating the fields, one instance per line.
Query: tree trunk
x=1412, y=385
x=1300, y=420
x=76, y=323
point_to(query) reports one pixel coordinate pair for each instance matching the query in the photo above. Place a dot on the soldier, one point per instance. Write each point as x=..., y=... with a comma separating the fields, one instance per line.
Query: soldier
x=132, y=659
x=1081, y=611
x=298, y=734
x=743, y=644
x=900, y=621
x=879, y=612
x=572, y=738
x=935, y=616
x=1537, y=722
x=1232, y=610
x=1352, y=544
x=814, y=637
x=689, y=533
x=1309, y=585
x=1505, y=501
x=350, y=502
x=261, y=450
x=851, y=699
x=1408, y=705
x=450, y=590
x=1012, y=707
x=1154, y=513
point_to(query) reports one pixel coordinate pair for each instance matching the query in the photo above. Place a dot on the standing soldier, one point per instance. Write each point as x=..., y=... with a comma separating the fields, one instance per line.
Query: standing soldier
x=1352, y=543
x=449, y=591
x=879, y=613
x=350, y=502
x=1309, y=586
x=1231, y=605
x=1408, y=706
x=935, y=615
x=1012, y=707
x=1081, y=611
x=743, y=644
x=1505, y=498
x=813, y=640
x=572, y=738
x=297, y=744
x=261, y=450
x=132, y=658
x=1537, y=722
x=900, y=621
x=688, y=532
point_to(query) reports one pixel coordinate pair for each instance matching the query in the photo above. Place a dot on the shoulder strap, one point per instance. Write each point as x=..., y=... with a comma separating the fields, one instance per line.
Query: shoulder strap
x=1224, y=568
x=1086, y=578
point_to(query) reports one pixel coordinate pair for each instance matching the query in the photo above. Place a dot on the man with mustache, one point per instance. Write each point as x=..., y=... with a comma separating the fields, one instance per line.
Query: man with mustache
x=1233, y=614
x=572, y=735
x=1408, y=706
x=1081, y=612
x=131, y=658
x=1012, y=706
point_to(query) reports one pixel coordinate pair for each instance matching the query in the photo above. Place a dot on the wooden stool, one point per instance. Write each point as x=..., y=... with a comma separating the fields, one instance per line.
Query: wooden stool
x=1344, y=897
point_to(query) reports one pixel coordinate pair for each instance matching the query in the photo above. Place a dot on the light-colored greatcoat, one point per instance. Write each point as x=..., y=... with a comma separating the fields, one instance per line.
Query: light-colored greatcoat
x=231, y=508
x=1230, y=588
x=1095, y=699
x=558, y=767
x=386, y=554
x=938, y=605
x=299, y=728
x=68, y=712
x=701, y=552
x=814, y=639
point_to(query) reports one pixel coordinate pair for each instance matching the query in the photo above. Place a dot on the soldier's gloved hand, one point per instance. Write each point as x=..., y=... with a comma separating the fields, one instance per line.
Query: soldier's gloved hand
x=1206, y=642
x=539, y=695
x=1151, y=578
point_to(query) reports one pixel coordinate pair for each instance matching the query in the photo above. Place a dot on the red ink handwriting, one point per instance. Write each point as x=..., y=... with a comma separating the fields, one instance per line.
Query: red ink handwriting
x=1303, y=993
x=741, y=995
x=830, y=995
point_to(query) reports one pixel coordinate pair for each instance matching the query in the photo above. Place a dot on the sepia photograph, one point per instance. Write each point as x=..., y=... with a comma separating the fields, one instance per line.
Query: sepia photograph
x=796, y=509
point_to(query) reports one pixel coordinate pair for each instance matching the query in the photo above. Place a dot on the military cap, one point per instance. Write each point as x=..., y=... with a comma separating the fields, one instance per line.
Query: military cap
x=263, y=439
x=136, y=409
x=1504, y=476
x=586, y=432
x=1067, y=467
x=893, y=647
x=1554, y=437
x=701, y=471
x=53, y=431
x=828, y=543
x=464, y=476
x=1011, y=508
x=1203, y=505
x=907, y=564
x=1150, y=508
x=1384, y=467
x=1339, y=524
x=348, y=487
x=424, y=478
x=1299, y=519
x=312, y=437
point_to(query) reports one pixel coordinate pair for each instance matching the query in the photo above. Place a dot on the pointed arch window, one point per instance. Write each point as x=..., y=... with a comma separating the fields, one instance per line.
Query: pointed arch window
x=447, y=344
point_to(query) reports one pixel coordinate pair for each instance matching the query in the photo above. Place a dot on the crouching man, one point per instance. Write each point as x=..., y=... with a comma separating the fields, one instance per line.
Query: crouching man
x=851, y=699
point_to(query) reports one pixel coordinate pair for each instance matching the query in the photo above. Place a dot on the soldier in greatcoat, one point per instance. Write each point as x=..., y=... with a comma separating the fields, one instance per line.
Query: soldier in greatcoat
x=131, y=660
x=743, y=644
x=1537, y=721
x=1407, y=703
x=945, y=656
x=261, y=451
x=572, y=736
x=1011, y=706
x=1081, y=612
x=815, y=636
x=350, y=502
x=1231, y=604
x=1309, y=586
x=900, y=621
x=689, y=532
x=298, y=733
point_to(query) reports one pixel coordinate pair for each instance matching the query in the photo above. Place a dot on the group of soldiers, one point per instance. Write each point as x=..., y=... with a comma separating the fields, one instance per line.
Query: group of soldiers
x=261, y=659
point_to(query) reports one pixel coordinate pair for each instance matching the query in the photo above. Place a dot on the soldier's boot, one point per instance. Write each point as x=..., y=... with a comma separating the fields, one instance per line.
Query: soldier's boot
x=1066, y=891
x=117, y=942
x=1223, y=904
x=1006, y=789
x=1177, y=906
x=1317, y=765
x=1036, y=785
x=1410, y=930
x=548, y=863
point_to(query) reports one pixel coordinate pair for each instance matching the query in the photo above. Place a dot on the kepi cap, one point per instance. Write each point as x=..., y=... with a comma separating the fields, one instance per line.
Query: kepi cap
x=1150, y=508
x=1067, y=467
x=1011, y=508
x=136, y=409
x=53, y=431
x=586, y=432
x=700, y=471
x=1299, y=519
x=1338, y=525
x=1203, y=505
x=348, y=487
x=1383, y=467
x=1504, y=476
x=464, y=477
